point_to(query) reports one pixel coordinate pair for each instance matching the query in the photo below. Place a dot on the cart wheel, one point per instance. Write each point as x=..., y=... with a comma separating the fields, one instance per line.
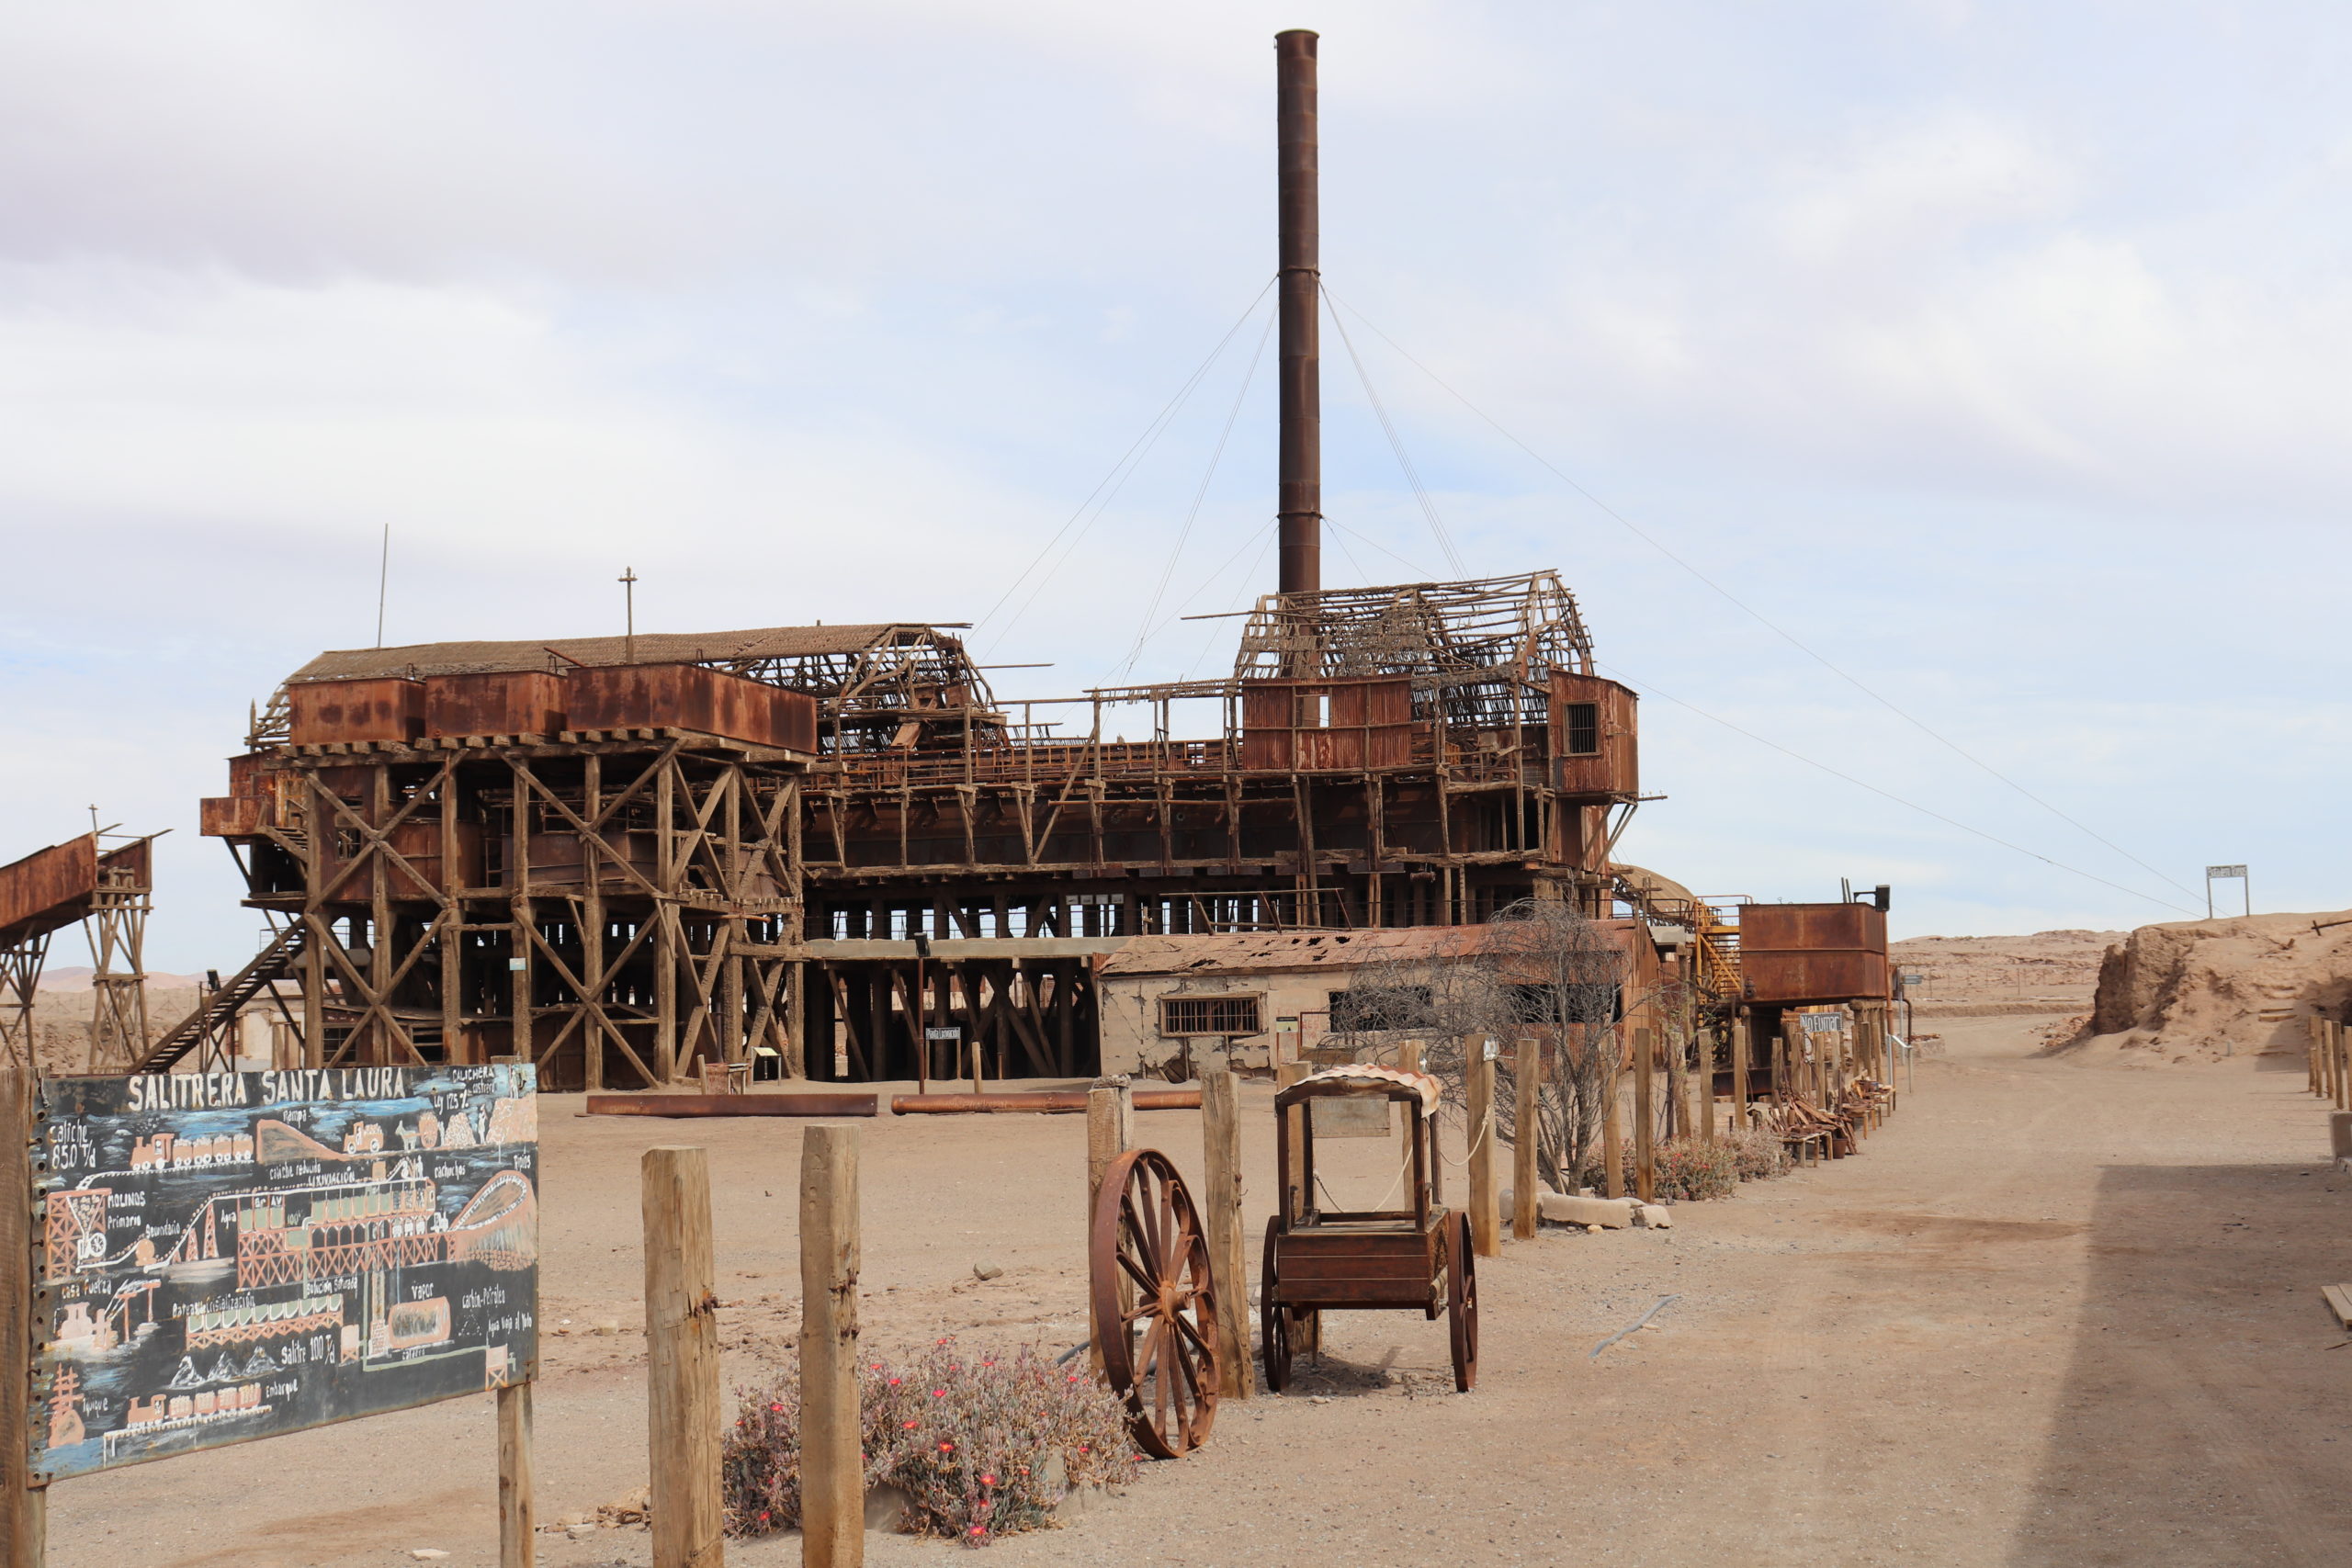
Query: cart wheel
x=1276, y=1324
x=1462, y=1304
x=1159, y=1332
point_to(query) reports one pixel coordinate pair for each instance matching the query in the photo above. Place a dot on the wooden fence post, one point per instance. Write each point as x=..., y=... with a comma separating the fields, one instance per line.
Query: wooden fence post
x=1645, y=1117
x=832, y=1458
x=23, y=1506
x=682, y=1359
x=1221, y=1166
x=1486, y=1209
x=1527, y=1076
x=1739, y=1033
x=1109, y=1132
x=1613, y=1138
x=2311, y=1054
x=2343, y=1068
x=1408, y=1055
x=518, y=1520
x=1678, y=1113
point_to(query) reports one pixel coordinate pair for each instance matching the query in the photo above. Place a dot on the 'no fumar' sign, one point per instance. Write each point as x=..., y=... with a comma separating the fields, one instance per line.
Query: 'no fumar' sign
x=230, y=1256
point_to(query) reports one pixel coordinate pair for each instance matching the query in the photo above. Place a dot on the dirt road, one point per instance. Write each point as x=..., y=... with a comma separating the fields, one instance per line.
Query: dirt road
x=2052, y=1317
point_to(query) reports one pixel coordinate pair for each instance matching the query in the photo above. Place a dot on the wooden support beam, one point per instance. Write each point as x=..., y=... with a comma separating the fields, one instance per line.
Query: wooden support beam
x=832, y=1468
x=682, y=1359
x=1221, y=1197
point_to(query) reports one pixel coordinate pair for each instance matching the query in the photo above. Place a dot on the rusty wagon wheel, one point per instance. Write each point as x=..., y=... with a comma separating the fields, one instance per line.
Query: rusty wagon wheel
x=1461, y=1304
x=1158, y=1335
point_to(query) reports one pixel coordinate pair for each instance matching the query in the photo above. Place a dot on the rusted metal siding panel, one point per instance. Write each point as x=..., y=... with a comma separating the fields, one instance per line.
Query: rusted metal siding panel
x=1285, y=728
x=1813, y=953
x=691, y=696
x=47, y=889
x=324, y=711
x=511, y=702
x=1615, y=768
x=230, y=816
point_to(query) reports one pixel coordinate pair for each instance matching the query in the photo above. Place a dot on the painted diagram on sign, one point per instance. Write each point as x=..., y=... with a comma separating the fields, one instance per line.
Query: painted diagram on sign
x=230, y=1256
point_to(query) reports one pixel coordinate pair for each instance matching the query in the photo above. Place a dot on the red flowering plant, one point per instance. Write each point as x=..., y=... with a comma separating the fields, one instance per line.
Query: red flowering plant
x=983, y=1443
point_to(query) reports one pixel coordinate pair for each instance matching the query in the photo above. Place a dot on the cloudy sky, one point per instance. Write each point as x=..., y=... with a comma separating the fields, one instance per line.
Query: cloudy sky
x=1944, y=394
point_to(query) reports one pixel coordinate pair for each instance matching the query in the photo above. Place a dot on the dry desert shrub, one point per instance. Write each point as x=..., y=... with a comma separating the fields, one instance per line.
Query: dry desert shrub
x=983, y=1442
x=1695, y=1170
x=1756, y=1155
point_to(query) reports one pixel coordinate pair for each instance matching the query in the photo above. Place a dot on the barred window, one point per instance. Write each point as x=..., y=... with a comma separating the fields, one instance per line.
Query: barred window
x=1208, y=1015
x=1583, y=727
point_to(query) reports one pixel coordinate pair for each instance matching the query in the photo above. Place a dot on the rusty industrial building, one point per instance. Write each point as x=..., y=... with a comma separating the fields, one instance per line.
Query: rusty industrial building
x=626, y=858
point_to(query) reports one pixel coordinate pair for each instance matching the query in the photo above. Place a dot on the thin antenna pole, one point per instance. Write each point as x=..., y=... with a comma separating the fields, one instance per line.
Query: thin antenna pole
x=383, y=580
x=627, y=580
x=1300, y=505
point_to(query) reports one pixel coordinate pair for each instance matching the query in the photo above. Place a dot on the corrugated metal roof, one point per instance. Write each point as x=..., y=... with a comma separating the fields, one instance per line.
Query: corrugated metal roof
x=424, y=659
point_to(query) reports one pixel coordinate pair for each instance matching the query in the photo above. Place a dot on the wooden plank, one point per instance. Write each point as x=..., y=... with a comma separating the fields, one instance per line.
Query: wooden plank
x=682, y=1359
x=1327, y=1269
x=517, y=1504
x=23, y=1511
x=1221, y=1197
x=832, y=1467
x=2339, y=1302
x=1526, y=1136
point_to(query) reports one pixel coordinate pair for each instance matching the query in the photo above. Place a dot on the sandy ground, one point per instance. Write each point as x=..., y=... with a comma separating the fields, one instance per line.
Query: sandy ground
x=2053, y=1317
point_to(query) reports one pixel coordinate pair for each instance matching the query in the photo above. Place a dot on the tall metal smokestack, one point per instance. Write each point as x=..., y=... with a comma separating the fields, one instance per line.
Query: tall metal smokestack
x=1300, y=509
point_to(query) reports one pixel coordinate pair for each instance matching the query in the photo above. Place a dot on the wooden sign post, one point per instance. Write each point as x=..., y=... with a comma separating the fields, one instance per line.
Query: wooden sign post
x=1486, y=1211
x=1221, y=1197
x=518, y=1518
x=682, y=1359
x=832, y=1463
x=23, y=1506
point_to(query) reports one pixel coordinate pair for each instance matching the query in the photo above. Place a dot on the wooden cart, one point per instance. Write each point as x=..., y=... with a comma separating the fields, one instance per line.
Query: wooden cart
x=1385, y=1259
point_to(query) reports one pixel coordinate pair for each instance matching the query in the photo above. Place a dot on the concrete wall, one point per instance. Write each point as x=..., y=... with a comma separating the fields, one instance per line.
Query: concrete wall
x=1129, y=1009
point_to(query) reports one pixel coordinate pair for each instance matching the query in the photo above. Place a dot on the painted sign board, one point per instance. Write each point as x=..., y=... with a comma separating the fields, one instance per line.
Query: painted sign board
x=229, y=1256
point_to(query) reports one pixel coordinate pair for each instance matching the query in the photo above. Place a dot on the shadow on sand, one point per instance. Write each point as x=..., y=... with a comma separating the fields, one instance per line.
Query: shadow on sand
x=2206, y=1417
